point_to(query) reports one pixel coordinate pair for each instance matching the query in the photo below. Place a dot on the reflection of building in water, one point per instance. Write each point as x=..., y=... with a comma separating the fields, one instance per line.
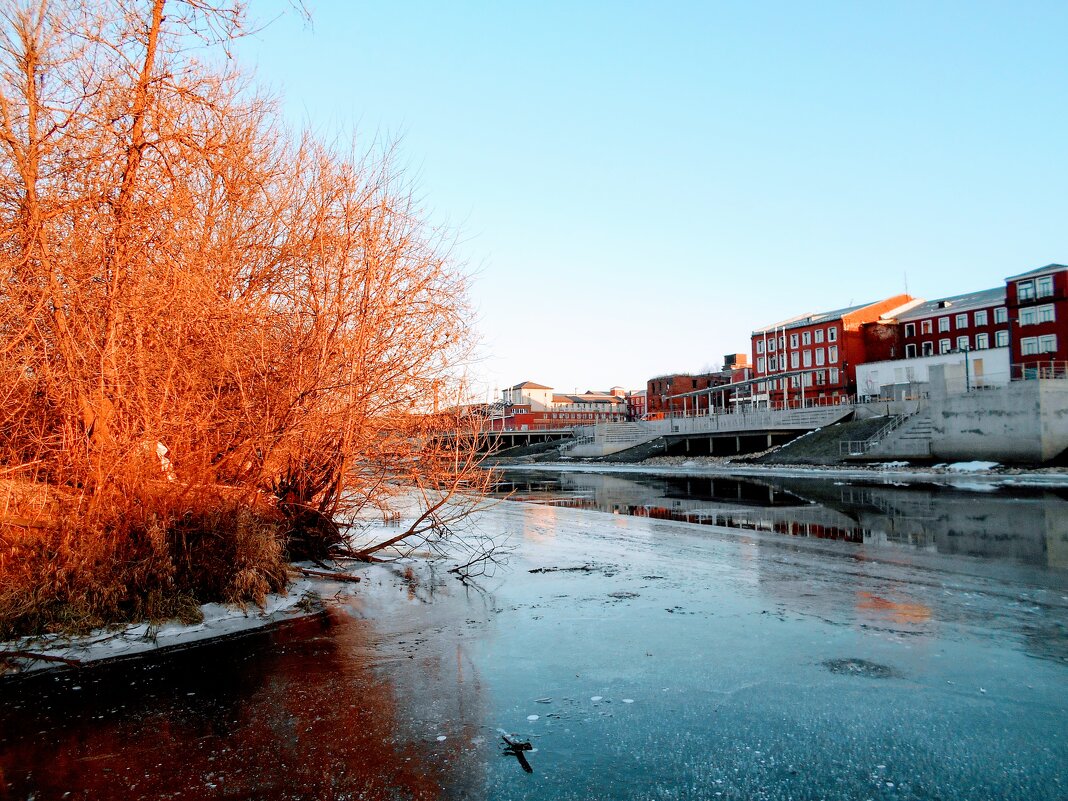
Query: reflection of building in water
x=1030, y=528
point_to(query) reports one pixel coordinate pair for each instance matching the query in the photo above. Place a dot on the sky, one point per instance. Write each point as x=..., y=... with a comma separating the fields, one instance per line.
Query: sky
x=635, y=187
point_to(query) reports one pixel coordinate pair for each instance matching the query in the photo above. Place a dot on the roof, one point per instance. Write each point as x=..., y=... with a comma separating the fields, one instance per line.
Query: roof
x=1049, y=268
x=957, y=303
x=589, y=398
x=529, y=385
x=813, y=318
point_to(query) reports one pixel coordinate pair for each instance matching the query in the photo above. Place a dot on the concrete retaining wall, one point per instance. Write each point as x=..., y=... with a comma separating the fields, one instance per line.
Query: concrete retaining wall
x=1025, y=421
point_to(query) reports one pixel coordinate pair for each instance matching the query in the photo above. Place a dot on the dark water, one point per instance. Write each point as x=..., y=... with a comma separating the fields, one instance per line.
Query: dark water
x=641, y=658
x=1019, y=524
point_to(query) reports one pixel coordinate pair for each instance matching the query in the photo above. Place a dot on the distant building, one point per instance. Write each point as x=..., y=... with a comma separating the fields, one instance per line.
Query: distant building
x=1037, y=304
x=637, y=406
x=813, y=357
x=529, y=407
x=671, y=394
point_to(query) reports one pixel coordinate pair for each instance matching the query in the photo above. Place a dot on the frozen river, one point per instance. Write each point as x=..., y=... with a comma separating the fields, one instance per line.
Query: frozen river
x=643, y=657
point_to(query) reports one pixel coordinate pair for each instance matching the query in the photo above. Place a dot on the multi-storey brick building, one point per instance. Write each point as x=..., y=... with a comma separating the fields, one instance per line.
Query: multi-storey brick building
x=974, y=321
x=1037, y=304
x=813, y=357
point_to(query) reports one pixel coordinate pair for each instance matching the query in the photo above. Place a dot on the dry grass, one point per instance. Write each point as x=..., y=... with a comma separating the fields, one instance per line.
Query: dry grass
x=152, y=560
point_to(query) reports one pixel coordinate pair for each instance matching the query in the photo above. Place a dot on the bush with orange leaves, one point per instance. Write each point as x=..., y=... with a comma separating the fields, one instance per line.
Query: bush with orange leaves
x=218, y=343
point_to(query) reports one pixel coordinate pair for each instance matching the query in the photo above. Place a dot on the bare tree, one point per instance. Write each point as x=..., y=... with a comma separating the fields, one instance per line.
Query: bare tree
x=214, y=339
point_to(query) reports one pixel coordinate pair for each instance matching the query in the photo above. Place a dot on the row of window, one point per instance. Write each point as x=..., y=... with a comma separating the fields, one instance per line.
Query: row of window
x=982, y=342
x=800, y=359
x=819, y=378
x=1034, y=288
x=980, y=318
x=798, y=340
x=1032, y=346
x=1037, y=314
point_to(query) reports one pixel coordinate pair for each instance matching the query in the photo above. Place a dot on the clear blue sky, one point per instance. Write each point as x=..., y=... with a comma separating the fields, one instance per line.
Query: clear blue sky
x=639, y=185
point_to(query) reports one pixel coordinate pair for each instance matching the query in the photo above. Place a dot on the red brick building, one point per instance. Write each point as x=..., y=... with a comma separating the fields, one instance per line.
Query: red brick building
x=974, y=321
x=1037, y=304
x=813, y=358
x=532, y=407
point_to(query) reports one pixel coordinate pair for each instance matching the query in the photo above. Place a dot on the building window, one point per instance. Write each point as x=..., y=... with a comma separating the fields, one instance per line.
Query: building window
x=943, y=324
x=910, y=351
x=806, y=337
x=807, y=358
x=1047, y=343
x=832, y=354
x=962, y=343
x=981, y=317
x=793, y=340
x=794, y=362
x=943, y=346
x=771, y=345
x=832, y=334
x=910, y=330
x=760, y=346
x=1029, y=346
x=1028, y=316
x=773, y=363
x=1001, y=339
x=1001, y=315
x=820, y=356
x=1044, y=286
x=928, y=349
x=926, y=327
x=821, y=377
x=962, y=321
x=1025, y=290
x=834, y=375
x=1046, y=314
x=760, y=364
x=982, y=341
x=795, y=381
x=819, y=335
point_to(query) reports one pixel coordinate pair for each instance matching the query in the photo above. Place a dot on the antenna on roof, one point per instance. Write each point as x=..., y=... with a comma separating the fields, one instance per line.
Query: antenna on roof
x=906, y=274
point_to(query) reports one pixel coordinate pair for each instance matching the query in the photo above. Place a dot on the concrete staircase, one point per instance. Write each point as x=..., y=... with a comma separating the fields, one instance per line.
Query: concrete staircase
x=906, y=437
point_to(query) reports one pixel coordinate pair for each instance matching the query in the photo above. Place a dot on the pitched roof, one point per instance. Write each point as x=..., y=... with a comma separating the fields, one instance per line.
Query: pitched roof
x=1049, y=268
x=530, y=385
x=956, y=303
x=813, y=318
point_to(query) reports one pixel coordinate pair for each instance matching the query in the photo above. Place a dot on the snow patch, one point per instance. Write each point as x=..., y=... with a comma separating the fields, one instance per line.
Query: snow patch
x=971, y=467
x=219, y=621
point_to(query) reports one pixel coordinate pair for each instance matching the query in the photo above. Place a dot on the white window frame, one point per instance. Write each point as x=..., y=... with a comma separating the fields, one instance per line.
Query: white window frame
x=927, y=348
x=819, y=335
x=832, y=334
x=806, y=358
x=910, y=329
x=1047, y=343
x=926, y=326
x=982, y=341
x=1001, y=315
x=1029, y=316
x=943, y=324
x=1044, y=286
x=793, y=340
x=795, y=362
x=820, y=357
x=1046, y=314
x=832, y=354
x=1001, y=339
x=963, y=343
x=760, y=346
x=981, y=317
x=1029, y=346
x=760, y=364
x=961, y=321
x=944, y=346
x=910, y=350
x=834, y=375
x=1025, y=290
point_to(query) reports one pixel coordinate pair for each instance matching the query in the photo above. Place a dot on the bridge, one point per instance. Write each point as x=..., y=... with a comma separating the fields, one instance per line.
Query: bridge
x=715, y=434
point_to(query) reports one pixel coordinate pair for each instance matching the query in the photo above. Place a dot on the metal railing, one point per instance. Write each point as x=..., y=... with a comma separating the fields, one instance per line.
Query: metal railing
x=1029, y=371
x=859, y=447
